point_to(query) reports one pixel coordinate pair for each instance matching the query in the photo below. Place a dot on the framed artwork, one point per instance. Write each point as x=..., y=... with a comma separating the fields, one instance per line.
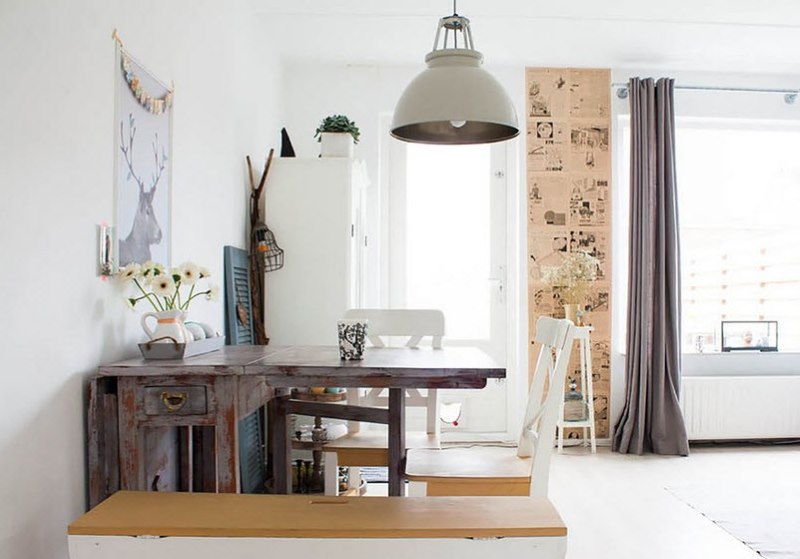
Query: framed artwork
x=756, y=335
x=143, y=163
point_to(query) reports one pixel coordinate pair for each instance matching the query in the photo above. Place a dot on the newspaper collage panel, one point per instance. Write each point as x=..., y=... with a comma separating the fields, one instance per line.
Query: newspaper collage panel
x=568, y=156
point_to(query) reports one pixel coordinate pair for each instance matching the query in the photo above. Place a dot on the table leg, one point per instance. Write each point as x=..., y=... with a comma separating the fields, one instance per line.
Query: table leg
x=281, y=445
x=397, y=442
x=131, y=461
x=226, y=436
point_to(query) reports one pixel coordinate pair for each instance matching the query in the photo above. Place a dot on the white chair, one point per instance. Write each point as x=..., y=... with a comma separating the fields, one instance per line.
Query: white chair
x=369, y=448
x=524, y=470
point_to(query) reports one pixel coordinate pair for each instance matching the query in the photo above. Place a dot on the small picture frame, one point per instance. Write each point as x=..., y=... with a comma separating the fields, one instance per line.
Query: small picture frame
x=749, y=335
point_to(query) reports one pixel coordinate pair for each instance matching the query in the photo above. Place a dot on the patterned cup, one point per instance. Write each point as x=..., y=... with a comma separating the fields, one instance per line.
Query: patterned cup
x=352, y=336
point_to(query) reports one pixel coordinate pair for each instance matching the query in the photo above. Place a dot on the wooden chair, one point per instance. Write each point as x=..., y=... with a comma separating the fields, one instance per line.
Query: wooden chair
x=369, y=448
x=524, y=470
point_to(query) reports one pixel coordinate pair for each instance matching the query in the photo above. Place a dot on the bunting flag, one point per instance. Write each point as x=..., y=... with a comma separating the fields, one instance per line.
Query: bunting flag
x=155, y=105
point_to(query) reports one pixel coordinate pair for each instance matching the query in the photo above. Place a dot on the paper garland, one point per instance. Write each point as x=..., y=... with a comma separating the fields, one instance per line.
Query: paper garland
x=154, y=105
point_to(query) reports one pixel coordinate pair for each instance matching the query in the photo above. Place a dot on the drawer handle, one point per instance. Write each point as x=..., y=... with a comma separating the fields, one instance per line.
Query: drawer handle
x=173, y=401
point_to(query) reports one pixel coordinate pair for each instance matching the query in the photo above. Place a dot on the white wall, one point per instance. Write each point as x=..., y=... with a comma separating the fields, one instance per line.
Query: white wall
x=56, y=160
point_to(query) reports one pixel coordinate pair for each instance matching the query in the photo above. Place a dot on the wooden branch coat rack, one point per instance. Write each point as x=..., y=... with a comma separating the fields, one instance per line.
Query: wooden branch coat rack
x=257, y=285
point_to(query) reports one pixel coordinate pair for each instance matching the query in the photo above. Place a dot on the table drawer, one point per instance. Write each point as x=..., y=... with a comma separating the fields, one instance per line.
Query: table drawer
x=175, y=400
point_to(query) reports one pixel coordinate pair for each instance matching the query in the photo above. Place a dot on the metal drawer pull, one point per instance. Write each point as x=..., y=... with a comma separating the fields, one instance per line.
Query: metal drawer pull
x=174, y=401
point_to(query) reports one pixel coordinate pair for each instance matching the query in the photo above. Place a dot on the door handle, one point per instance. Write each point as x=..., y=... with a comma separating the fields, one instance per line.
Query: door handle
x=498, y=289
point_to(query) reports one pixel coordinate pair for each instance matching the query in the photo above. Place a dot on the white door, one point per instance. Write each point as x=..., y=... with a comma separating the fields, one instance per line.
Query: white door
x=447, y=250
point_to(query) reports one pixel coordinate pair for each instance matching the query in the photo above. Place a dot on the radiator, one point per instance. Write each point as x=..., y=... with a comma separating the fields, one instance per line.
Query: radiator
x=741, y=407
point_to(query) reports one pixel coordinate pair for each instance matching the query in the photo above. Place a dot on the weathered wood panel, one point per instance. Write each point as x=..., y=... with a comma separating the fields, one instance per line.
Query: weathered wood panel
x=339, y=411
x=281, y=445
x=253, y=393
x=131, y=470
x=226, y=435
x=229, y=360
x=102, y=439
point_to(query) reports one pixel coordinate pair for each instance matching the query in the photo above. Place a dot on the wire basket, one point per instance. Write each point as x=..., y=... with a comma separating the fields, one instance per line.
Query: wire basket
x=267, y=247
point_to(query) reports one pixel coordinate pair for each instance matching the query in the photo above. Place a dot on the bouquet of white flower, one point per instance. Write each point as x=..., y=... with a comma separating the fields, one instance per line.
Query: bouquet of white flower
x=573, y=276
x=166, y=291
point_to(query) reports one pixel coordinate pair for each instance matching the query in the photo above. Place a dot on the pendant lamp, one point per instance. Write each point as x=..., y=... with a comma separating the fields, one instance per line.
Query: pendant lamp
x=454, y=101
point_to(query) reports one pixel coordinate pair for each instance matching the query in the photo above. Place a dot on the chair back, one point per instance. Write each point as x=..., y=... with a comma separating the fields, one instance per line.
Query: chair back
x=556, y=337
x=413, y=323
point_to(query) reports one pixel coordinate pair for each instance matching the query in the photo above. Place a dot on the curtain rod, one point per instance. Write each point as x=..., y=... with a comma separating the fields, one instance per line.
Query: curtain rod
x=789, y=95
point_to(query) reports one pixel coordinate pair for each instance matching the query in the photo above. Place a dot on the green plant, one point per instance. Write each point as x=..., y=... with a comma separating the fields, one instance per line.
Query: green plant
x=338, y=123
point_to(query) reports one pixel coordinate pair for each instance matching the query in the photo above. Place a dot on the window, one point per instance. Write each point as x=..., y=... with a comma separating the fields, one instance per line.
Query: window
x=739, y=204
x=739, y=213
x=447, y=235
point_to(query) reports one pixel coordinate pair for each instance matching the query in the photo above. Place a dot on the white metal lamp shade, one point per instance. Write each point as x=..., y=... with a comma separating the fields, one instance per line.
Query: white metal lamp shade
x=454, y=101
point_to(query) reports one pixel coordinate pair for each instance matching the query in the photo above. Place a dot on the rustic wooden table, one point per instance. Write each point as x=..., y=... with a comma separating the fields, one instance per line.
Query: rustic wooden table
x=217, y=389
x=211, y=390
x=392, y=368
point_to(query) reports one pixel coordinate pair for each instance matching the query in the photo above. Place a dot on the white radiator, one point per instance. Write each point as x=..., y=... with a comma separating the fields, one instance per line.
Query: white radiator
x=747, y=407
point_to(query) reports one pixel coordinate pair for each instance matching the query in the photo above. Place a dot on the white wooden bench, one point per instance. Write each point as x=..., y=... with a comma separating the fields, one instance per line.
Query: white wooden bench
x=133, y=525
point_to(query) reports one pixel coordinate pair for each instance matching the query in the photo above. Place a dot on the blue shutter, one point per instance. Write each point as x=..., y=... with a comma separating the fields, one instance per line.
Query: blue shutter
x=238, y=307
x=252, y=465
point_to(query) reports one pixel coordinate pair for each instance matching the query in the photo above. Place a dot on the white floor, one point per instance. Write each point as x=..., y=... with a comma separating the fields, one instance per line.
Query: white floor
x=615, y=506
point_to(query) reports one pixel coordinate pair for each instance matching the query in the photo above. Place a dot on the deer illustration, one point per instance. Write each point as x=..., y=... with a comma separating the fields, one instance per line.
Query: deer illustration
x=145, y=230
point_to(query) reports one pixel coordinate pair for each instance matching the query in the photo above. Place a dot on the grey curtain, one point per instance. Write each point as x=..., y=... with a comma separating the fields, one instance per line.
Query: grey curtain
x=651, y=420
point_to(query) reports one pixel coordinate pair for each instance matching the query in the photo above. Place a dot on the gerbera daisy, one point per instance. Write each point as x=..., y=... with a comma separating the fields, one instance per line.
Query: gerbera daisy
x=190, y=273
x=163, y=286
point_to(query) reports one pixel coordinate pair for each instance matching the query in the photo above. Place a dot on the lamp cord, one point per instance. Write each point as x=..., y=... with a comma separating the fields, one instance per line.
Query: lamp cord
x=455, y=31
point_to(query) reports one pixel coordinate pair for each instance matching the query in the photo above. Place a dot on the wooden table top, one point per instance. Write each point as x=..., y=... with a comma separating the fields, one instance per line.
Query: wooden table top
x=448, y=367
x=228, y=360
x=129, y=513
x=298, y=366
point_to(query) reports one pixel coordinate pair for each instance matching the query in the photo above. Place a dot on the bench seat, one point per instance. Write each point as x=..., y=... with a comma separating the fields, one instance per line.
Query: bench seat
x=200, y=525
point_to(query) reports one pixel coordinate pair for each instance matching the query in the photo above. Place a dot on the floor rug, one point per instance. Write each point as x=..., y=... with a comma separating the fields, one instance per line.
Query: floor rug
x=762, y=514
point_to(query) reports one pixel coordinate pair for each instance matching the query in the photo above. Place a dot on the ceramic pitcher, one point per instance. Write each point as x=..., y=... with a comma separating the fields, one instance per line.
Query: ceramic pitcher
x=169, y=324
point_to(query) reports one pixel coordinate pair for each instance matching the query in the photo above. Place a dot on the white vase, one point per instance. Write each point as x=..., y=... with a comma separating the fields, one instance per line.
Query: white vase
x=336, y=144
x=169, y=326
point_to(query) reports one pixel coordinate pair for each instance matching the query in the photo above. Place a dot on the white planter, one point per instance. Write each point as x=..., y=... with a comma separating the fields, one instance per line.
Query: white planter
x=336, y=144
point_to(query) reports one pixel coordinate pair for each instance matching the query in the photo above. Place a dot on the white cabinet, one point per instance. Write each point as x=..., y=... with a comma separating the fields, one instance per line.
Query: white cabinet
x=315, y=208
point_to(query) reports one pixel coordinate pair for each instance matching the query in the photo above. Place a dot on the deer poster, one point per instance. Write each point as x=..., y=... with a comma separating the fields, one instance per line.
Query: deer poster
x=143, y=116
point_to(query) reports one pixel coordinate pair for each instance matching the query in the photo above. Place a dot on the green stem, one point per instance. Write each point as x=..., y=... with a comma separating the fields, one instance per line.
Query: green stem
x=198, y=294
x=150, y=297
x=185, y=306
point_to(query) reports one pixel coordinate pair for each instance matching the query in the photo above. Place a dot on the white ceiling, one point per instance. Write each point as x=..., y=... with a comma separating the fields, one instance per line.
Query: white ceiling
x=693, y=35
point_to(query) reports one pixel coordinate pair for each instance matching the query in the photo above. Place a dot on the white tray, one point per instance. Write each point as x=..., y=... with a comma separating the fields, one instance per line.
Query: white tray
x=172, y=350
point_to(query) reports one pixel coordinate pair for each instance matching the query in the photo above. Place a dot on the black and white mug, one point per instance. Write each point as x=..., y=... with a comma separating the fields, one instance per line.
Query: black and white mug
x=352, y=337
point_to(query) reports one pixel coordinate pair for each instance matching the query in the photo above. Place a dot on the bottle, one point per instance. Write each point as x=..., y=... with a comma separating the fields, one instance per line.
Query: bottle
x=575, y=408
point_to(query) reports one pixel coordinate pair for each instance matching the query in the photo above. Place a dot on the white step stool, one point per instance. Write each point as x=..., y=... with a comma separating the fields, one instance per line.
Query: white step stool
x=582, y=336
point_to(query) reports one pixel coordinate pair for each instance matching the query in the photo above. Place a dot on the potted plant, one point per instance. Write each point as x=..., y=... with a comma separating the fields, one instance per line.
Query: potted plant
x=337, y=134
